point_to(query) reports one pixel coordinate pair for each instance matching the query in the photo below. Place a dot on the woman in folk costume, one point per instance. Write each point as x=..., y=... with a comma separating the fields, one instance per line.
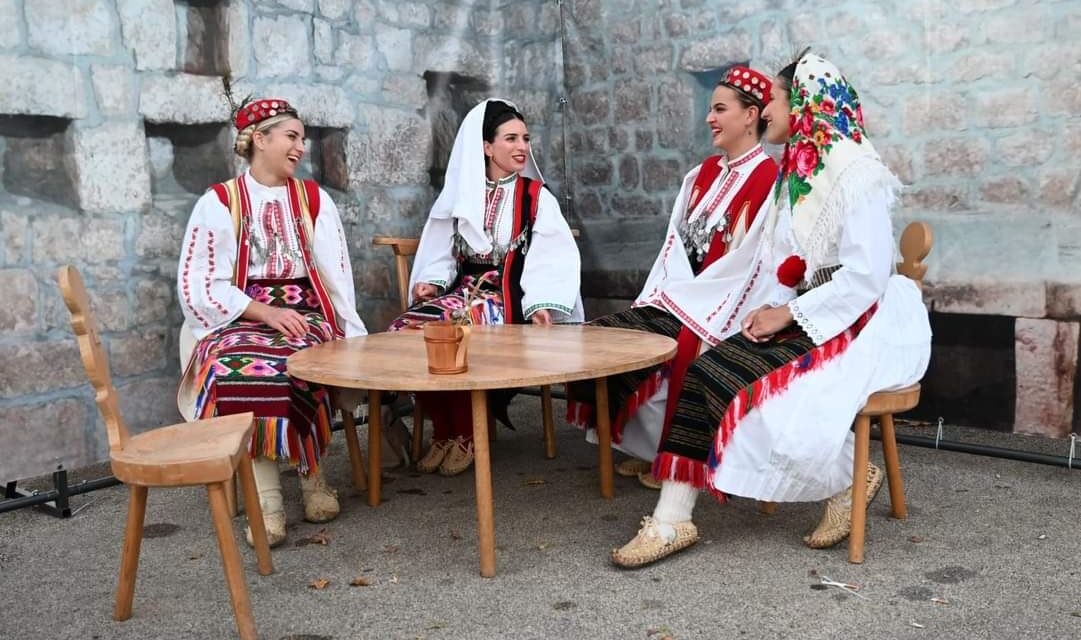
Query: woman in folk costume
x=713, y=216
x=766, y=413
x=495, y=248
x=265, y=272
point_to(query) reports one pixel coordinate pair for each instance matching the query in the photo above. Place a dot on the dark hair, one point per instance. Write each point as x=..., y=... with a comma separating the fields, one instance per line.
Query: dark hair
x=495, y=115
x=789, y=72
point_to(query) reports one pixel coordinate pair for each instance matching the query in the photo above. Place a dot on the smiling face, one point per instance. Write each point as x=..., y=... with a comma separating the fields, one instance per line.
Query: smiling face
x=279, y=149
x=732, y=124
x=508, y=150
x=776, y=113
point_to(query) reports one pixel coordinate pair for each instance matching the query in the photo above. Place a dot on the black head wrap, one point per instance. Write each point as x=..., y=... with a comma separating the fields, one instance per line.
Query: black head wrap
x=495, y=114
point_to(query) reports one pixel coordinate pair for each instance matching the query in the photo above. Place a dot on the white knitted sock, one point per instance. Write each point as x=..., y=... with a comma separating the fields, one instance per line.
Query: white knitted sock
x=676, y=502
x=268, y=484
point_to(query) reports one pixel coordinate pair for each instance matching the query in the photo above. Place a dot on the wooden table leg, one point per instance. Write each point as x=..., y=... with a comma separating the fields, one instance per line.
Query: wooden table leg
x=604, y=440
x=482, y=470
x=356, y=458
x=549, y=425
x=859, y=489
x=375, y=440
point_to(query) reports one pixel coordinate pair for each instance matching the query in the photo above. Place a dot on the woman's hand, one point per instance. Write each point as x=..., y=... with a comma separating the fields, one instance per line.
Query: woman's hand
x=541, y=316
x=761, y=324
x=424, y=291
x=290, y=323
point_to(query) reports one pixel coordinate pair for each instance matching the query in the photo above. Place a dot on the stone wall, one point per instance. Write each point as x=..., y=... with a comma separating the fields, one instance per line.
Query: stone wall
x=975, y=105
x=112, y=123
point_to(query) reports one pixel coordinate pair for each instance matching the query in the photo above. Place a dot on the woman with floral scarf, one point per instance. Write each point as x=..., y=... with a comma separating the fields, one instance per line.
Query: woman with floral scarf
x=824, y=323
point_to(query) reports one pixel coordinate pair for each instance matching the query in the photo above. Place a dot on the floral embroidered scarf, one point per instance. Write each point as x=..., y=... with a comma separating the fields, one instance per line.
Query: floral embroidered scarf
x=828, y=162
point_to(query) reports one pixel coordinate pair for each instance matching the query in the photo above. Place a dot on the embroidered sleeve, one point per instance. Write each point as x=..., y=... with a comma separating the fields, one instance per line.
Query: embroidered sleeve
x=332, y=259
x=204, y=276
x=435, y=262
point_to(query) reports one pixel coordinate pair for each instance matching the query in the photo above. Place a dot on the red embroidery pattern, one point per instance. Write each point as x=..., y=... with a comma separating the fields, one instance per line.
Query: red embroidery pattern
x=743, y=297
x=210, y=272
x=185, y=285
x=758, y=151
x=495, y=197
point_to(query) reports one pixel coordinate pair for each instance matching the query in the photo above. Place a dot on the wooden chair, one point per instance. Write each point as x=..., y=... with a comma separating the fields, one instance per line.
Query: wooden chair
x=206, y=452
x=916, y=243
x=404, y=249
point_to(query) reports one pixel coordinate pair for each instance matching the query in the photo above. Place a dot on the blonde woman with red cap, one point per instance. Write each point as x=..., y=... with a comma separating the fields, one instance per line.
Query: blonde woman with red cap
x=264, y=272
x=714, y=214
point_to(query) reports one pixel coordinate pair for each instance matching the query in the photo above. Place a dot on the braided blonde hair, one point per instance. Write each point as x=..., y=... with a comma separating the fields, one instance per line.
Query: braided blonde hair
x=243, y=146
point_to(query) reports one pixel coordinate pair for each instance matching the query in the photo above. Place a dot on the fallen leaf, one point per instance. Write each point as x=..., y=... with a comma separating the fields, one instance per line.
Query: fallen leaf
x=390, y=548
x=542, y=545
x=916, y=624
x=195, y=557
x=1076, y=614
x=454, y=535
x=319, y=583
x=360, y=582
x=812, y=573
x=316, y=538
x=916, y=539
x=394, y=579
x=535, y=482
x=1042, y=536
x=940, y=601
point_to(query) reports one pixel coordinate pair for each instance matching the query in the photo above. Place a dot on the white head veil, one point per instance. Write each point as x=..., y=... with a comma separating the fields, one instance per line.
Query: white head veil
x=463, y=195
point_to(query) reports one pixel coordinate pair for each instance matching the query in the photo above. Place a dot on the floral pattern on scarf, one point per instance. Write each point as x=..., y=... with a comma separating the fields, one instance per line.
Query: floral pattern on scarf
x=825, y=110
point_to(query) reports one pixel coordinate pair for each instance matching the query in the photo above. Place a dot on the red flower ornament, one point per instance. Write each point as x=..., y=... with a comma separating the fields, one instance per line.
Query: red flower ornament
x=806, y=157
x=791, y=271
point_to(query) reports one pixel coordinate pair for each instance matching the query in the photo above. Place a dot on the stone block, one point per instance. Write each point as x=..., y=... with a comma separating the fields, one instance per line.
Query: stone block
x=139, y=353
x=653, y=60
x=981, y=64
x=36, y=159
x=322, y=41
x=159, y=236
x=9, y=15
x=628, y=172
x=905, y=73
x=149, y=403
x=804, y=27
x=1063, y=96
x=75, y=27
x=155, y=303
x=39, y=436
x=718, y=51
x=1005, y=108
x=303, y=6
x=1025, y=148
x=454, y=18
x=60, y=239
x=632, y=100
x=898, y=158
x=113, y=88
x=618, y=139
x=981, y=295
x=675, y=108
x=1051, y=59
x=355, y=51
x=676, y=25
x=319, y=105
x=149, y=29
x=951, y=197
x=281, y=46
x=1020, y=25
x=408, y=90
x=634, y=205
x=1005, y=190
x=934, y=110
x=378, y=156
x=14, y=226
x=594, y=171
x=485, y=22
x=111, y=164
x=627, y=30
x=334, y=9
x=412, y=14
x=41, y=87
x=19, y=313
x=955, y=157
x=661, y=174
x=55, y=365
x=590, y=107
x=643, y=140
x=240, y=50
x=446, y=53
x=1058, y=187
x=396, y=45
x=1046, y=356
x=184, y=98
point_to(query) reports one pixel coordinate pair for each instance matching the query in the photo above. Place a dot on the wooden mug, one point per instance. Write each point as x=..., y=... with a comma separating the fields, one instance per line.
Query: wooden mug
x=447, y=346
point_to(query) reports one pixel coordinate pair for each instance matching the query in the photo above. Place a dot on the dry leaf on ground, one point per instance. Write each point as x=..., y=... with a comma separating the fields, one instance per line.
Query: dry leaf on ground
x=319, y=583
x=360, y=581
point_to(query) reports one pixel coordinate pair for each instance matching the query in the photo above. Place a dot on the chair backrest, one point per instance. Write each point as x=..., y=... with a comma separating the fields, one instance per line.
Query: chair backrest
x=916, y=241
x=93, y=355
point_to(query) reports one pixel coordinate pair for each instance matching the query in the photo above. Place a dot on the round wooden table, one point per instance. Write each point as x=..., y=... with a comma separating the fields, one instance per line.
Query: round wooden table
x=500, y=357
